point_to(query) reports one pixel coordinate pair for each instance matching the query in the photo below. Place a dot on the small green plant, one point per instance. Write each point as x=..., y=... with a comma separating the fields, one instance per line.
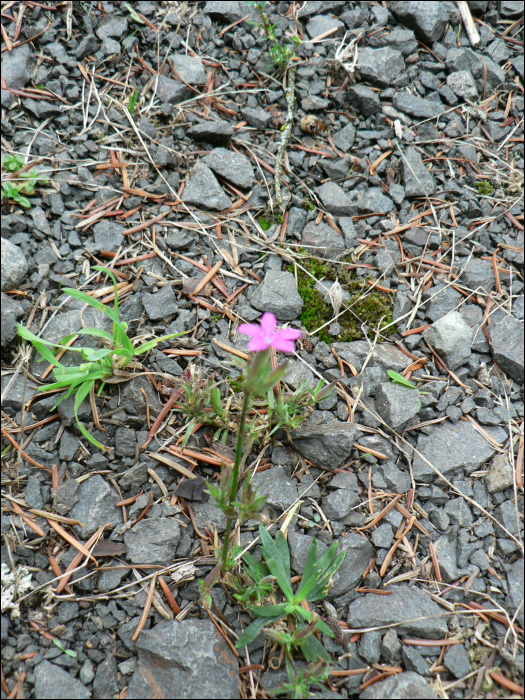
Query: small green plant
x=134, y=16
x=299, y=686
x=314, y=586
x=133, y=101
x=399, y=379
x=280, y=54
x=100, y=365
x=264, y=223
x=484, y=188
x=68, y=652
x=288, y=409
x=308, y=206
x=253, y=584
x=22, y=182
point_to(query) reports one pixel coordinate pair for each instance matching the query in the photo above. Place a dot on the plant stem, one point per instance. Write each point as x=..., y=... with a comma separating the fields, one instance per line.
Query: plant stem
x=235, y=480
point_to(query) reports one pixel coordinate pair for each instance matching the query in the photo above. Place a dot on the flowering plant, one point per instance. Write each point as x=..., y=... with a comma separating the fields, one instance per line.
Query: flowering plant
x=259, y=380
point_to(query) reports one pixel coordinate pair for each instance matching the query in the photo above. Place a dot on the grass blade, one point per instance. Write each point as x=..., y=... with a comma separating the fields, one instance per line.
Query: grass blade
x=399, y=379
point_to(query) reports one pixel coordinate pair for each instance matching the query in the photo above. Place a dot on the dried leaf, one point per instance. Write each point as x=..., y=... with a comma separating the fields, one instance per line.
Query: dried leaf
x=336, y=297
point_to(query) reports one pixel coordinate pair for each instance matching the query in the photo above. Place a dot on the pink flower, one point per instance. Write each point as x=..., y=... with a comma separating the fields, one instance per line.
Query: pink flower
x=265, y=335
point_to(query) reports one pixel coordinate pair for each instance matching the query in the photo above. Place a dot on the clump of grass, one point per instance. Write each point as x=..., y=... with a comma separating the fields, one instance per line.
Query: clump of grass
x=18, y=180
x=279, y=53
x=100, y=366
x=484, y=188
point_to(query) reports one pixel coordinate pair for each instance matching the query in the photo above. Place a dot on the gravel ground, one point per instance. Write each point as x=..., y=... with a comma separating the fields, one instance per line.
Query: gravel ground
x=398, y=246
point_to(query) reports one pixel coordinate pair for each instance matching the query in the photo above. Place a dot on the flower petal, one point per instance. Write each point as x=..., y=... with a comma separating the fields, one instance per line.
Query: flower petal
x=257, y=344
x=268, y=323
x=288, y=334
x=249, y=329
x=282, y=344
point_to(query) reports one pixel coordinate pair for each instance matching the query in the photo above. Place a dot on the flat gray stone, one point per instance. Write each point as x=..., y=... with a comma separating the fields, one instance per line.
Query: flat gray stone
x=442, y=300
x=451, y=338
x=405, y=685
x=323, y=23
x=95, y=507
x=52, y=682
x=417, y=180
x=112, y=25
x=171, y=91
x=13, y=266
x=106, y=684
x=225, y=10
x=359, y=552
x=403, y=40
x=187, y=659
x=204, y=191
x=216, y=133
x=189, y=68
x=257, y=117
x=18, y=67
x=451, y=447
x=153, y=541
x=327, y=446
x=298, y=373
x=161, y=304
x=416, y=106
x=364, y=99
x=322, y=239
x=344, y=140
x=11, y=311
x=404, y=606
x=338, y=504
x=335, y=199
x=232, y=167
x=457, y=661
x=280, y=490
x=462, y=84
x=507, y=346
x=396, y=404
x=428, y=19
x=278, y=295
x=380, y=66
x=501, y=474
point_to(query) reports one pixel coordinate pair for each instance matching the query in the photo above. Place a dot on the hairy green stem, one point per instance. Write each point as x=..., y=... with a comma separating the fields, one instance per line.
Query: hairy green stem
x=285, y=137
x=235, y=480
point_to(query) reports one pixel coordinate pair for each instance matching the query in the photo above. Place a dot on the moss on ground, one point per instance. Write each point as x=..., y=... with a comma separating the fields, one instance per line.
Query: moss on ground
x=370, y=308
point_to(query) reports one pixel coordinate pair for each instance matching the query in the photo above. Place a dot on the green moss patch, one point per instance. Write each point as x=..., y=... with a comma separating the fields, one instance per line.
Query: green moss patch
x=370, y=308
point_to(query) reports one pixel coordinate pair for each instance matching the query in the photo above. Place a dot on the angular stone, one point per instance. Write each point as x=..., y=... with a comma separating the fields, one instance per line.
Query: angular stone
x=427, y=19
x=257, y=117
x=451, y=448
x=280, y=490
x=171, y=91
x=278, y=295
x=442, y=300
x=161, y=304
x=462, y=84
x=507, y=346
x=416, y=106
x=105, y=684
x=18, y=67
x=95, y=507
x=216, y=133
x=107, y=236
x=408, y=685
x=403, y=606
x=403, y=40
x=359, y=551
x=190, y=69
x=133, y=398
x=501, y=474
x=364, y=99
x=229, y=11
x=153, y=541
x=204, y=191
x=396, y=404
x=335, y=199
x=232, y=167
x=457, y=661
x=338, y=504
x=327, y=446
x=65, y=496
x=14, y=266
x=322, y=239
x=344, y=140
x=380, y=66
x=451, y=337
x=52, y=682
x=323, y=23
x=417, y=180
x=112, y=25
x=11, y=311
x=184, y=659
x=297, y=373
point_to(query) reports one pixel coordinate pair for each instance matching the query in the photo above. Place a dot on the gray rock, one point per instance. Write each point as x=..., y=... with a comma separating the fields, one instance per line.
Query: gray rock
x=416, y=106
x=322, y=239
x=14, y=265
x=216, y=133
x=112, y=25
x=164, y=155
x=506, y=335
x=369, y=647
x=442, y=300
x=515, y=585
x=427, y=19
x=371, y=201
x=190, y=69
x=323, y=23
x=344, y=140
x=380, y=66
x=403, y=40
x=65, y=496
x=161, y=304
x=383, y=535
x=229, y=11
x=208, y=515
x=87, y=672
x=317, y=7
x=457, y=661
x=404, y=606
x=280, y=490
x=298, y=373
x=511, y=8
x=501, y=474
x=462, y=84
x=505, y=514
x=299, y=545
x=153, y=541
x=451, y=337
x=396, y=404
x=392, y=478
x=232, y=167
x=405, y=685
x=52, y=682
x=107, y=236
x=327, y=446
x=450, y=448
x=338, y=504
x=105, y=684
x=95, y=507
x=414, y=661
x=278, y=295
x=69, y=445
x=11, y=311
x=204, y=191
x=171, y=91
x=335, y=199
x=18, y=67
x=391, y=647
x=257, y=117
x=88, y=44
x=417, y=180
x=173, y=655
x=364, y=99
x=133, y=398
x=359, y=551
x=314, y=104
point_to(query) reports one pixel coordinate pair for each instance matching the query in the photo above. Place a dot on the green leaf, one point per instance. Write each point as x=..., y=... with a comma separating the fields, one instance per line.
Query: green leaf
x=309, y=571
x=58, y=643
x=152, y=343
x=95, y=332
x=312, y=648
x=399, y=379
x=81, y=394
x=282, y=580
x=70, y=652
x=251, y=633
x=275, y=611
